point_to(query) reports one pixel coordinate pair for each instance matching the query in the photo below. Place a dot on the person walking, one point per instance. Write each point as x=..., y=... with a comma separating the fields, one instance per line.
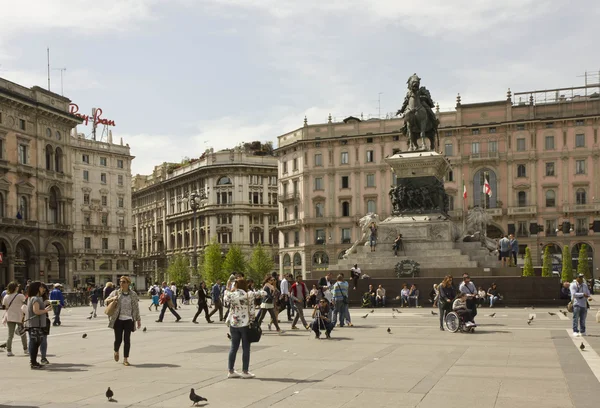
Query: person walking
x=174, y=296
x=340, y=300
x=215, y=294
x=468, y=288
x=373, y=236
x=447, y=296
x=108, y=288
x=12, y=302
x=36, y=320
x=579, y=296
x=46, y=329
x=57, y=294
x=167, y=304
x=202, y=303
x=241, y=314
x=125, y=318
x=299, y=293
x=284, y=298
x=94, y=300
x=154, y=292
x=267, y=305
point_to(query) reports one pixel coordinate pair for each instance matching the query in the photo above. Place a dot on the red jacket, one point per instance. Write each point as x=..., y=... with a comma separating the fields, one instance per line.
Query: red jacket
x=294, y=290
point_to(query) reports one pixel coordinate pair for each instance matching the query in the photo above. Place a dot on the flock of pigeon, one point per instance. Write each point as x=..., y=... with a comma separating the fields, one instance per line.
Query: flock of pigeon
x=195, y=398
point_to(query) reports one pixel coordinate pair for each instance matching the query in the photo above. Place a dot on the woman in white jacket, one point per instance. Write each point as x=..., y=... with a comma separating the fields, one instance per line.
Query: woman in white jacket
x=241, y=314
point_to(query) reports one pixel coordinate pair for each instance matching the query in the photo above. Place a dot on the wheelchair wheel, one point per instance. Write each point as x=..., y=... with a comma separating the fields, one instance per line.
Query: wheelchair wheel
x=452, y=322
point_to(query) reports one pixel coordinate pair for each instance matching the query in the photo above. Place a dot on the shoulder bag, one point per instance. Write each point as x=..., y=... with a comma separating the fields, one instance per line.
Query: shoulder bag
x=112, y=308
x=344, y=297
x=5, y=316
x=254, y=330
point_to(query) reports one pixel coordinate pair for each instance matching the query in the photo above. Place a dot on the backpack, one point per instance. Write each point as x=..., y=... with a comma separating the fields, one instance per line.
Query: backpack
x=153, y=291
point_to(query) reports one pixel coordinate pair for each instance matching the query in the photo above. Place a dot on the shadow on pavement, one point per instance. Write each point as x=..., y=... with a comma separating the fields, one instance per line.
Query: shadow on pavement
x=20, y=406
x=65, y=367
x=155, y=365
x=288, y=380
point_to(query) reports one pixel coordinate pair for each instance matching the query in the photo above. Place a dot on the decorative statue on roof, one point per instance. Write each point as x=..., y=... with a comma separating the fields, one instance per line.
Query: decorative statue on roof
x=419, y=118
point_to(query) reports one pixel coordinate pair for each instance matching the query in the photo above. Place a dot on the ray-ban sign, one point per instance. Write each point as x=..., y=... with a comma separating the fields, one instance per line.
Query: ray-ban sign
x=96, y=117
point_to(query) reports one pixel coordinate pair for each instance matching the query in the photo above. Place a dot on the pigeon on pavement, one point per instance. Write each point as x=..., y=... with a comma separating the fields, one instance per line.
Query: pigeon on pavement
x=84, y=335
x=90, y=317
x=365, y=316
x=389, y=330
x=109, y=394
x=372, y=311
x=492, y=315
x=564, y=313
x=552, y=314
x=144, y=330
x=582, y=347
x=433, y=313
x=196, y=398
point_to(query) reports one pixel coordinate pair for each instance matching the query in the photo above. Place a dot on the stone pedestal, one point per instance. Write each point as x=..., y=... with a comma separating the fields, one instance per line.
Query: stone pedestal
x=420, y=185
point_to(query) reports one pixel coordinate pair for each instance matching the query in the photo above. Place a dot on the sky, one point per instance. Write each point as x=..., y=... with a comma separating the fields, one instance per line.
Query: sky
x=180, y=76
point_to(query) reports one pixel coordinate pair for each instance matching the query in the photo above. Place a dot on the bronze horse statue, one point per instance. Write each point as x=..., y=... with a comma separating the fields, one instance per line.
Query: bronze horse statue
x=419, y=119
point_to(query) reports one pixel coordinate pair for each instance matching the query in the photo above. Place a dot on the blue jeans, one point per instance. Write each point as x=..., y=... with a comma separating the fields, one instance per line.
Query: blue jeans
x=579, y=314
x=44, y=346
x=239, y=334
x=493, y=299
x=56, y=310
x=341, y=309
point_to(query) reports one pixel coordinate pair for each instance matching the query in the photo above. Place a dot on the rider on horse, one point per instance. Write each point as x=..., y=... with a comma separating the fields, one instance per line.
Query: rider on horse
x=415, y=90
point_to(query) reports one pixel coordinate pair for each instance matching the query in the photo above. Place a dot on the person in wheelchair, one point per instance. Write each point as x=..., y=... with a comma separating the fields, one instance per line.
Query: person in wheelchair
x=460, y=308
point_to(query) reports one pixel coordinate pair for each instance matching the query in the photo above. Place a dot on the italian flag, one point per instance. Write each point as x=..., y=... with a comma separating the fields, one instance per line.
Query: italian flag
x=464, y=191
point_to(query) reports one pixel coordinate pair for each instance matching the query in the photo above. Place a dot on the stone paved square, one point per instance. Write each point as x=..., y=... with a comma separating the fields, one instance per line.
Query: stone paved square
x=505, y=363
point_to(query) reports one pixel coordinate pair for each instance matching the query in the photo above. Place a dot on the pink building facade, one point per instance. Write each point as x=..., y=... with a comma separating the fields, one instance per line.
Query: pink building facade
x=539, y=151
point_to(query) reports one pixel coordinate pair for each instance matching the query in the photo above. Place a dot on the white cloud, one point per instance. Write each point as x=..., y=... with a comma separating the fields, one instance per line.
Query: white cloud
x=81, y=15
x=79, y=79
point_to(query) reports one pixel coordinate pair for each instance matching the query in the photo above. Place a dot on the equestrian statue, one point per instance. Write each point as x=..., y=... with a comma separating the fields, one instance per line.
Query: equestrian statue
x=419, y=118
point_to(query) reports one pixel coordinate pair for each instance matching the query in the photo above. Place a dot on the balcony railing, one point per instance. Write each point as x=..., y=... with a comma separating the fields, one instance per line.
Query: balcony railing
x=289, y=223
x=96, y=228
x=288, y=197
x=581, y=231
x=581, y=208
x=531, y=209
x=157, y=237
x=318, y=220
x=484, y=156
x=346, y=240
x=494, y=212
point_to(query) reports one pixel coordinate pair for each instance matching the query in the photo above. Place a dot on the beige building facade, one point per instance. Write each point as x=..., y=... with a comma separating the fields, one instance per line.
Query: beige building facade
x=36, y=184
x=241, y=206
x=102, y=211
x=539, y=150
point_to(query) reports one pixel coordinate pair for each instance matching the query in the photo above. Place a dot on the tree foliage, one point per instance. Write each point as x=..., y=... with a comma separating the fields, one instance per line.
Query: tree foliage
x=582, y=263
x=567, y=265
x=261, y=263
x=528, y=267
x=547, y=263
x=213, y=262
x=179, y=270
x=234, y=260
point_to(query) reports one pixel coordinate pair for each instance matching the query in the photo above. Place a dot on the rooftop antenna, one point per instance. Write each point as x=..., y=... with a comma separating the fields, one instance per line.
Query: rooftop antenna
x=62, y=70
x=48, y=58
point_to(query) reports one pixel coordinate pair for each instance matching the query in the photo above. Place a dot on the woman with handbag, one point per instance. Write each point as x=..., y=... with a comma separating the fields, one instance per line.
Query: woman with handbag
x=13, y=316
x=241, y=317
x=37, y=313
x=267, y=304
x=447, y=296
x=124, y=313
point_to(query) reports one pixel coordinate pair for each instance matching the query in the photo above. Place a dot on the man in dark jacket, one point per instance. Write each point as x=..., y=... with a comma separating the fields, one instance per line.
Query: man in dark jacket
x=217, y=301
x=202, y=304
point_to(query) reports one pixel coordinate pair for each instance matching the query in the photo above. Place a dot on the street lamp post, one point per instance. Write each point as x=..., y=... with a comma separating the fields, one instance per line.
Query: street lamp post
x=195, y=200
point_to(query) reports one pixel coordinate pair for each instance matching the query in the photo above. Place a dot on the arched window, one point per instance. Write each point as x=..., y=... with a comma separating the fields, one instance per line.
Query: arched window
x=478, y=183
x=522, y=198
x=23, y=208
x=319, y=210
x=345, y=209
x=295, y=212
x=297, y=259
x=320, y=259
x=49, y=157
x=58, y=160
x=521, y=170
x=48, y=132
x=371, y=206
x=550, y=198
x=287, y=261
x=224, y=181
x=58, y=135
x=580, y=196
x=285, y=214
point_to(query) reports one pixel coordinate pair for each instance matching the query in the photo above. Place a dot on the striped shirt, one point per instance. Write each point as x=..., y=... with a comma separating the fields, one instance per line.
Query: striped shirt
x=339, y=290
